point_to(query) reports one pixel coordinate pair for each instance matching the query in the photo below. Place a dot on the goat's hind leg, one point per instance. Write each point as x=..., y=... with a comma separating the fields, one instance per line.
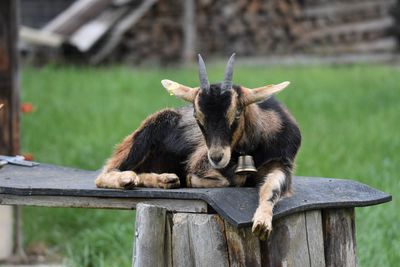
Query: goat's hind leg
x=276, y=184
x=134, y=151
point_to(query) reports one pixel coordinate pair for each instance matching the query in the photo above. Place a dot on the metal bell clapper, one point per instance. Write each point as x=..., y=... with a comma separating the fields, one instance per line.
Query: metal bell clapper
x=245, y=165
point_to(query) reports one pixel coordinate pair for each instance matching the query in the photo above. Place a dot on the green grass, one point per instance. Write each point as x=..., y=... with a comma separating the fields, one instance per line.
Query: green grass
x=349, y=118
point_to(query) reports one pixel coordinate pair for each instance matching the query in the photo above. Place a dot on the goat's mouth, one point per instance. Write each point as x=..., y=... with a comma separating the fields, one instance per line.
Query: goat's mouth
x=219, y=158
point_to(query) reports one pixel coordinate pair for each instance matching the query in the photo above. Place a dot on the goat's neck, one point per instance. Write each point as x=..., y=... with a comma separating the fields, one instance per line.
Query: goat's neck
x=248, y=137
x=259, y=126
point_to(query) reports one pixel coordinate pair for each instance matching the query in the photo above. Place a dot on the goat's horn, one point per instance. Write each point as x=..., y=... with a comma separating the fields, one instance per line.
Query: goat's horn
x=204, y=84
x=227, y=84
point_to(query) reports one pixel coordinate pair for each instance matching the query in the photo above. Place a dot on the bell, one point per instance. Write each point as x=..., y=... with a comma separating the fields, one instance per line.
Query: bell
x=245, y=165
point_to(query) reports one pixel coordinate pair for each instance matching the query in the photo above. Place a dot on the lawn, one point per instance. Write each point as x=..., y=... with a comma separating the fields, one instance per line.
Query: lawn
x=349, y=118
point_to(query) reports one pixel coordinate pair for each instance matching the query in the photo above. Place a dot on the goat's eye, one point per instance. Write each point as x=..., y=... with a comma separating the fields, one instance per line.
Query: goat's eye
x=238, y=113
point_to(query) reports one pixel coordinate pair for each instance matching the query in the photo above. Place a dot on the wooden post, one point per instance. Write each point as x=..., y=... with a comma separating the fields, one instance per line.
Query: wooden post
x=9, y=96
x=189, y=30
x=339, y=236
x=198, y=239
x=153, y=239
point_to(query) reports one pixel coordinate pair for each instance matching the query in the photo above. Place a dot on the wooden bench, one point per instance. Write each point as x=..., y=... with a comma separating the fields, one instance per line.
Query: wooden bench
x=210, y=227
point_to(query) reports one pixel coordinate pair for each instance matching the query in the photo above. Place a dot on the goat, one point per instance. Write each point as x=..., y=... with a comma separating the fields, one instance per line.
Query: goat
x=199, y=145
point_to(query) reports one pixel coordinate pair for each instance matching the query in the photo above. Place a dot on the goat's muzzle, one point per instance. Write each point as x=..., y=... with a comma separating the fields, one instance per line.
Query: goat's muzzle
x=219, y=156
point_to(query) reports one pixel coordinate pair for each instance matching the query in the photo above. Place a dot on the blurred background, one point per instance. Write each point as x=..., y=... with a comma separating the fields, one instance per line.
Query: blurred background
x=90, y=72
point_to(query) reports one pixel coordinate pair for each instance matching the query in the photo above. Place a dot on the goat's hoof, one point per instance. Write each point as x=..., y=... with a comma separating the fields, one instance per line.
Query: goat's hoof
x=262, y=224
x=168, y=181
x=127, y=179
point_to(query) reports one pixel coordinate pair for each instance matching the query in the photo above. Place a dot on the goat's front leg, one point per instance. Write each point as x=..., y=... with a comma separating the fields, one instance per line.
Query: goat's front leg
x=276, y=182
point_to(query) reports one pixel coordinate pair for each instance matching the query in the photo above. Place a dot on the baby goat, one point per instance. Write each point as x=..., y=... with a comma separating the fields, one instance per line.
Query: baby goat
x=199, y=145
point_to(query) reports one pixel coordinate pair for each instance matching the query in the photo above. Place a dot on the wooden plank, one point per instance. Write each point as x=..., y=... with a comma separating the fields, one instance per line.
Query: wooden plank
x=174, y=205
x=202, y=240
x=287, y=245
x=87, y=35
x=182, y=250
x=243, y=246
x=120, y=29
x=78, y=13
x=9, y=113
x=339, y=237
x=150, y=237
x=40, y=38
x=189, y=30
x=315, y=238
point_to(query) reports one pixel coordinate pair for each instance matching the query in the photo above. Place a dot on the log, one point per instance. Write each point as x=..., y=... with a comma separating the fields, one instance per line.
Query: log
x=339, y=237
x=152, y=238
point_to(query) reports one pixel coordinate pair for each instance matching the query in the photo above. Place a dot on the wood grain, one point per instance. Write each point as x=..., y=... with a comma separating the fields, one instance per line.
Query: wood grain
x=339, y=237
x=151, y=238
x=201, y=238
x=243, y=246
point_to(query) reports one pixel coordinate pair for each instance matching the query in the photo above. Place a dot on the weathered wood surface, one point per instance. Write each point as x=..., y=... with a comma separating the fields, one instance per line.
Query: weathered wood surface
x=243, y=247
x=236, y=205
x=199, y=240
x=152, y=238
x=296, y=240
x=339, y=237
x=299, y=239
x=174, y=205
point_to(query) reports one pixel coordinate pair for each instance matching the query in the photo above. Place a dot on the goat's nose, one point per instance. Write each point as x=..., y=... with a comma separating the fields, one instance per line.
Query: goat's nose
x=217, y=156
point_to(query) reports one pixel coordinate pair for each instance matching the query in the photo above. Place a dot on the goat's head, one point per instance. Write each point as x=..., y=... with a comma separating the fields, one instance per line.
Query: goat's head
x=218, y=109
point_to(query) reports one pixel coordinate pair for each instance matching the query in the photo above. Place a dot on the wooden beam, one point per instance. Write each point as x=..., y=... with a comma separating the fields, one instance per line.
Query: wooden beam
x=339, y=237
x=78, y=13
x=174, y=205
x=153, y=239
x=40, y=38
x=120, y=29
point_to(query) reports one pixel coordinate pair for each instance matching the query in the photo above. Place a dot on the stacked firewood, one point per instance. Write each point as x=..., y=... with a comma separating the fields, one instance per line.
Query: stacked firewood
x=346, y=26
x=164, y=31
x=157, y=37
x=264, y=28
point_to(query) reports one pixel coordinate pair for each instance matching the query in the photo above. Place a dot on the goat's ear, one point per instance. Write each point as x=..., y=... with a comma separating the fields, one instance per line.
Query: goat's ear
x=262, y=93
x=181, y=91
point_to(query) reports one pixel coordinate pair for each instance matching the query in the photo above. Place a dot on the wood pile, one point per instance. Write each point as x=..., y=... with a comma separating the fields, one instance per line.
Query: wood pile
x=264, y=28
x=159, y=31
